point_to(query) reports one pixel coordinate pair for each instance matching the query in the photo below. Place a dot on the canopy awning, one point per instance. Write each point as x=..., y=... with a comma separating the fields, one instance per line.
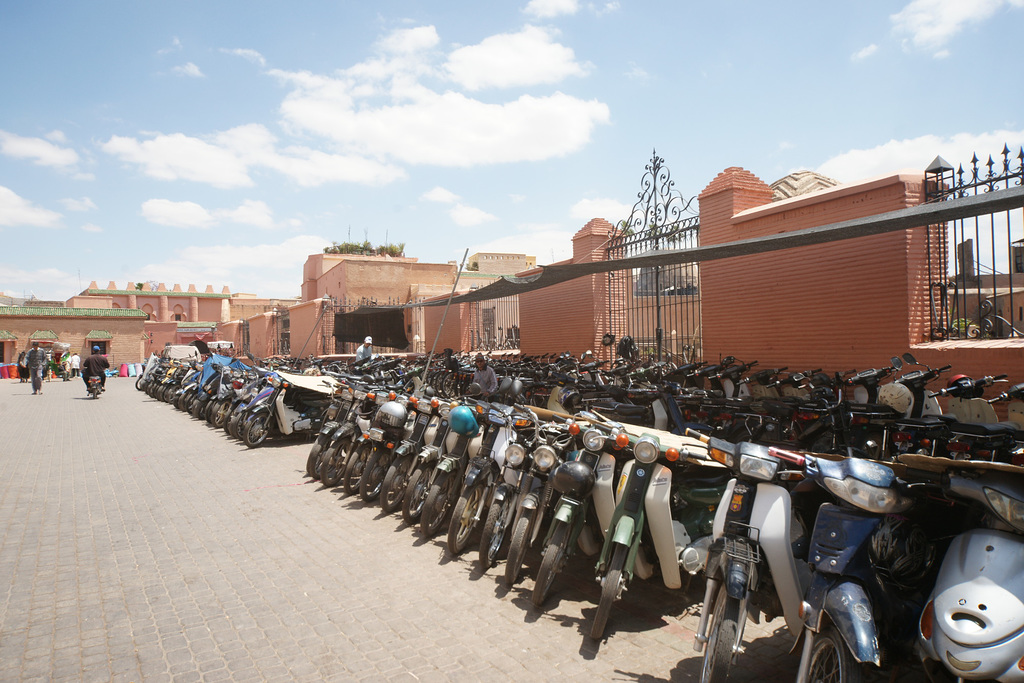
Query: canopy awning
x=40, y=335
x=6, y=336
x=98, y=334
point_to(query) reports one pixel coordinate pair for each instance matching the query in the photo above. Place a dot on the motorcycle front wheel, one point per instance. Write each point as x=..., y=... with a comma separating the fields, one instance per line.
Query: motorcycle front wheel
x=332, y=463
x=220, y=413
x=551, y=563
x=520, y=544
x=392, y=491
x=832, y=661
x=463, y=520
x=415, y=495
x=314, y=458
x=725, y=623
x=256, y=430
x=435, y=508
x=372, y=478
x=354, y=468
x=611, y=586
x=492, y=536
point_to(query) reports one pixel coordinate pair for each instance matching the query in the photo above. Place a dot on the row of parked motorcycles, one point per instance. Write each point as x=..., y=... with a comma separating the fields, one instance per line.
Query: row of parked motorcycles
x=250, y=402
x=885, y=531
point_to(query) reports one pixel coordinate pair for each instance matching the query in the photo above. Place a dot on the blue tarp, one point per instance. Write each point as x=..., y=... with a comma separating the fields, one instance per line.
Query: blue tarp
x=213, y=363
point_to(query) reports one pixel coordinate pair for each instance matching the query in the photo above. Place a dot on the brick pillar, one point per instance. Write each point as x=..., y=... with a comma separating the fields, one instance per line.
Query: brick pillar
x=193, y=308
x=162, y=313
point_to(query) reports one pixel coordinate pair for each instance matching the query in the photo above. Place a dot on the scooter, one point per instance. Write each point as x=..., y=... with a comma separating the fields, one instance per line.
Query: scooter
x=973, y=623
x=753, y=564
x=644, y=499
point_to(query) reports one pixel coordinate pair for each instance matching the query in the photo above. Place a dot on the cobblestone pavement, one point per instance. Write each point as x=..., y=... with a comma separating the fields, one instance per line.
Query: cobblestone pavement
x=139, y=544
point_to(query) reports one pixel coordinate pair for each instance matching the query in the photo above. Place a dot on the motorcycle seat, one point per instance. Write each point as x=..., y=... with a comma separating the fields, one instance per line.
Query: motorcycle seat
x=984, y=429
x=927, y=421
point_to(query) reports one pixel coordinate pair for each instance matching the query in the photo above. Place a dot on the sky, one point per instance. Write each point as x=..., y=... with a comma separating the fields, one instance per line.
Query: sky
x=221, y=143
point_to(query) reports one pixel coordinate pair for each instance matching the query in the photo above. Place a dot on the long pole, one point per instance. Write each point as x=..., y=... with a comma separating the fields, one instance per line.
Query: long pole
x=444, y=316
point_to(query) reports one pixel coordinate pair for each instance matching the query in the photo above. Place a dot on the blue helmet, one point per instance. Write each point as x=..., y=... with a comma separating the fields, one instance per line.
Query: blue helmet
x=95, y=349
x=463, y=421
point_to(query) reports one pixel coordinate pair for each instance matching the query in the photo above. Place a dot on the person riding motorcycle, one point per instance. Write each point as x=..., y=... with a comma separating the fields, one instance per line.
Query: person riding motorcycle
x=95, y=365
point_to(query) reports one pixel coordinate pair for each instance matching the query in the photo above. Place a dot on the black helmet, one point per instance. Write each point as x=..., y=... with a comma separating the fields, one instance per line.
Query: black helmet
x=901, y=551
x=627, y=348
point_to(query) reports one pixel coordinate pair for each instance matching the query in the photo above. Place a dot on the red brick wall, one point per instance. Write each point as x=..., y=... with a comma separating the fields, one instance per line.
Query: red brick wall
x=846, y=304
x=571, y=316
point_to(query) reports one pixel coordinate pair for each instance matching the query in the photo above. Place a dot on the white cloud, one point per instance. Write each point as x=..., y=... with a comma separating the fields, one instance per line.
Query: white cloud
x=636, y=73
x=18, y=212
x=191, y=215
x=224, y=160
x=410, y=40
x=441, y=195
x=548, y=9
x=90, y=227
x=606, y=8
x=41, y=152
x=469, y=216
x=249, y=55
x=863, y=53
x=509, y=60
x=189, y=69
x=272, y=270
x=611, y=210
x=380, y=109
x=83, y=204
x=179, y=157
x=45, y=283
x=549, y=243
x=177, y=214
x=929, y=24
x=175, y=47
x=917, y=153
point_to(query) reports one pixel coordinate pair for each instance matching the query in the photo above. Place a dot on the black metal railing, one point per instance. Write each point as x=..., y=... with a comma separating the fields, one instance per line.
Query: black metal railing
x=494, y=324
x=659, y=306
x=976, y=265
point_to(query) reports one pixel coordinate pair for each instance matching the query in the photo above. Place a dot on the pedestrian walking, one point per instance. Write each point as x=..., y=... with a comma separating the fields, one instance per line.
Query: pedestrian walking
x=36, y=361
x=76, y=365
x=23, y=367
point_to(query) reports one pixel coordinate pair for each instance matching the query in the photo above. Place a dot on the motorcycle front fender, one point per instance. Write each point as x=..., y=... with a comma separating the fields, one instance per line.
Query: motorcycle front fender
x=531, y=501
x=566, y=510
x=501, y=493
x=849, y=608
x=446, y=465
x=624, y=531
x=476, y=474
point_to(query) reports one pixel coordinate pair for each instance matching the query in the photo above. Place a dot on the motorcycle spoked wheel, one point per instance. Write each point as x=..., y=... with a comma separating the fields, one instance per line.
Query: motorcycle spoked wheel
x=220, y=414
x=520, y=544
x=722, y=629
x=552, y=562
x=439, y=500
x=463, y=519
x=611, y=586
x=492, y=535
x=392, y=491
x=372, y=478
x=353, y=472
x=332, y=462
x=832, y=661
x=415, y=496
x=315, y=456
x=256, y=430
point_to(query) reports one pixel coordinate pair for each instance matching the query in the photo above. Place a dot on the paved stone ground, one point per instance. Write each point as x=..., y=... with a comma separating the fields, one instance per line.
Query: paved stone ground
x=141, y=545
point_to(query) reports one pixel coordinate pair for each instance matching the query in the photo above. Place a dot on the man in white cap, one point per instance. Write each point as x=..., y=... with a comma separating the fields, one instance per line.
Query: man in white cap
x=365, y=351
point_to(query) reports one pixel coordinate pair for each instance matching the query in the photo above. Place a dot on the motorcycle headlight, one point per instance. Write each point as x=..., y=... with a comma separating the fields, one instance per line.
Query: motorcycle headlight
x=1009, y=509
x=444, y=409
x=332, y=411
x=877, y=499
x=757, y=467
x=515, y=454
x=646, y=449
x=593, y=439
x=544, y=457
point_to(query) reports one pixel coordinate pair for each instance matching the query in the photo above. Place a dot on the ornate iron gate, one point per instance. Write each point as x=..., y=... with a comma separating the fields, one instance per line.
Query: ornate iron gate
x=658, y=306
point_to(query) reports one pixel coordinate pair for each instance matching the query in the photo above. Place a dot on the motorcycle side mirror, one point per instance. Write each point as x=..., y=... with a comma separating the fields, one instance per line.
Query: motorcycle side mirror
x=909, y=358
x=896, y=362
